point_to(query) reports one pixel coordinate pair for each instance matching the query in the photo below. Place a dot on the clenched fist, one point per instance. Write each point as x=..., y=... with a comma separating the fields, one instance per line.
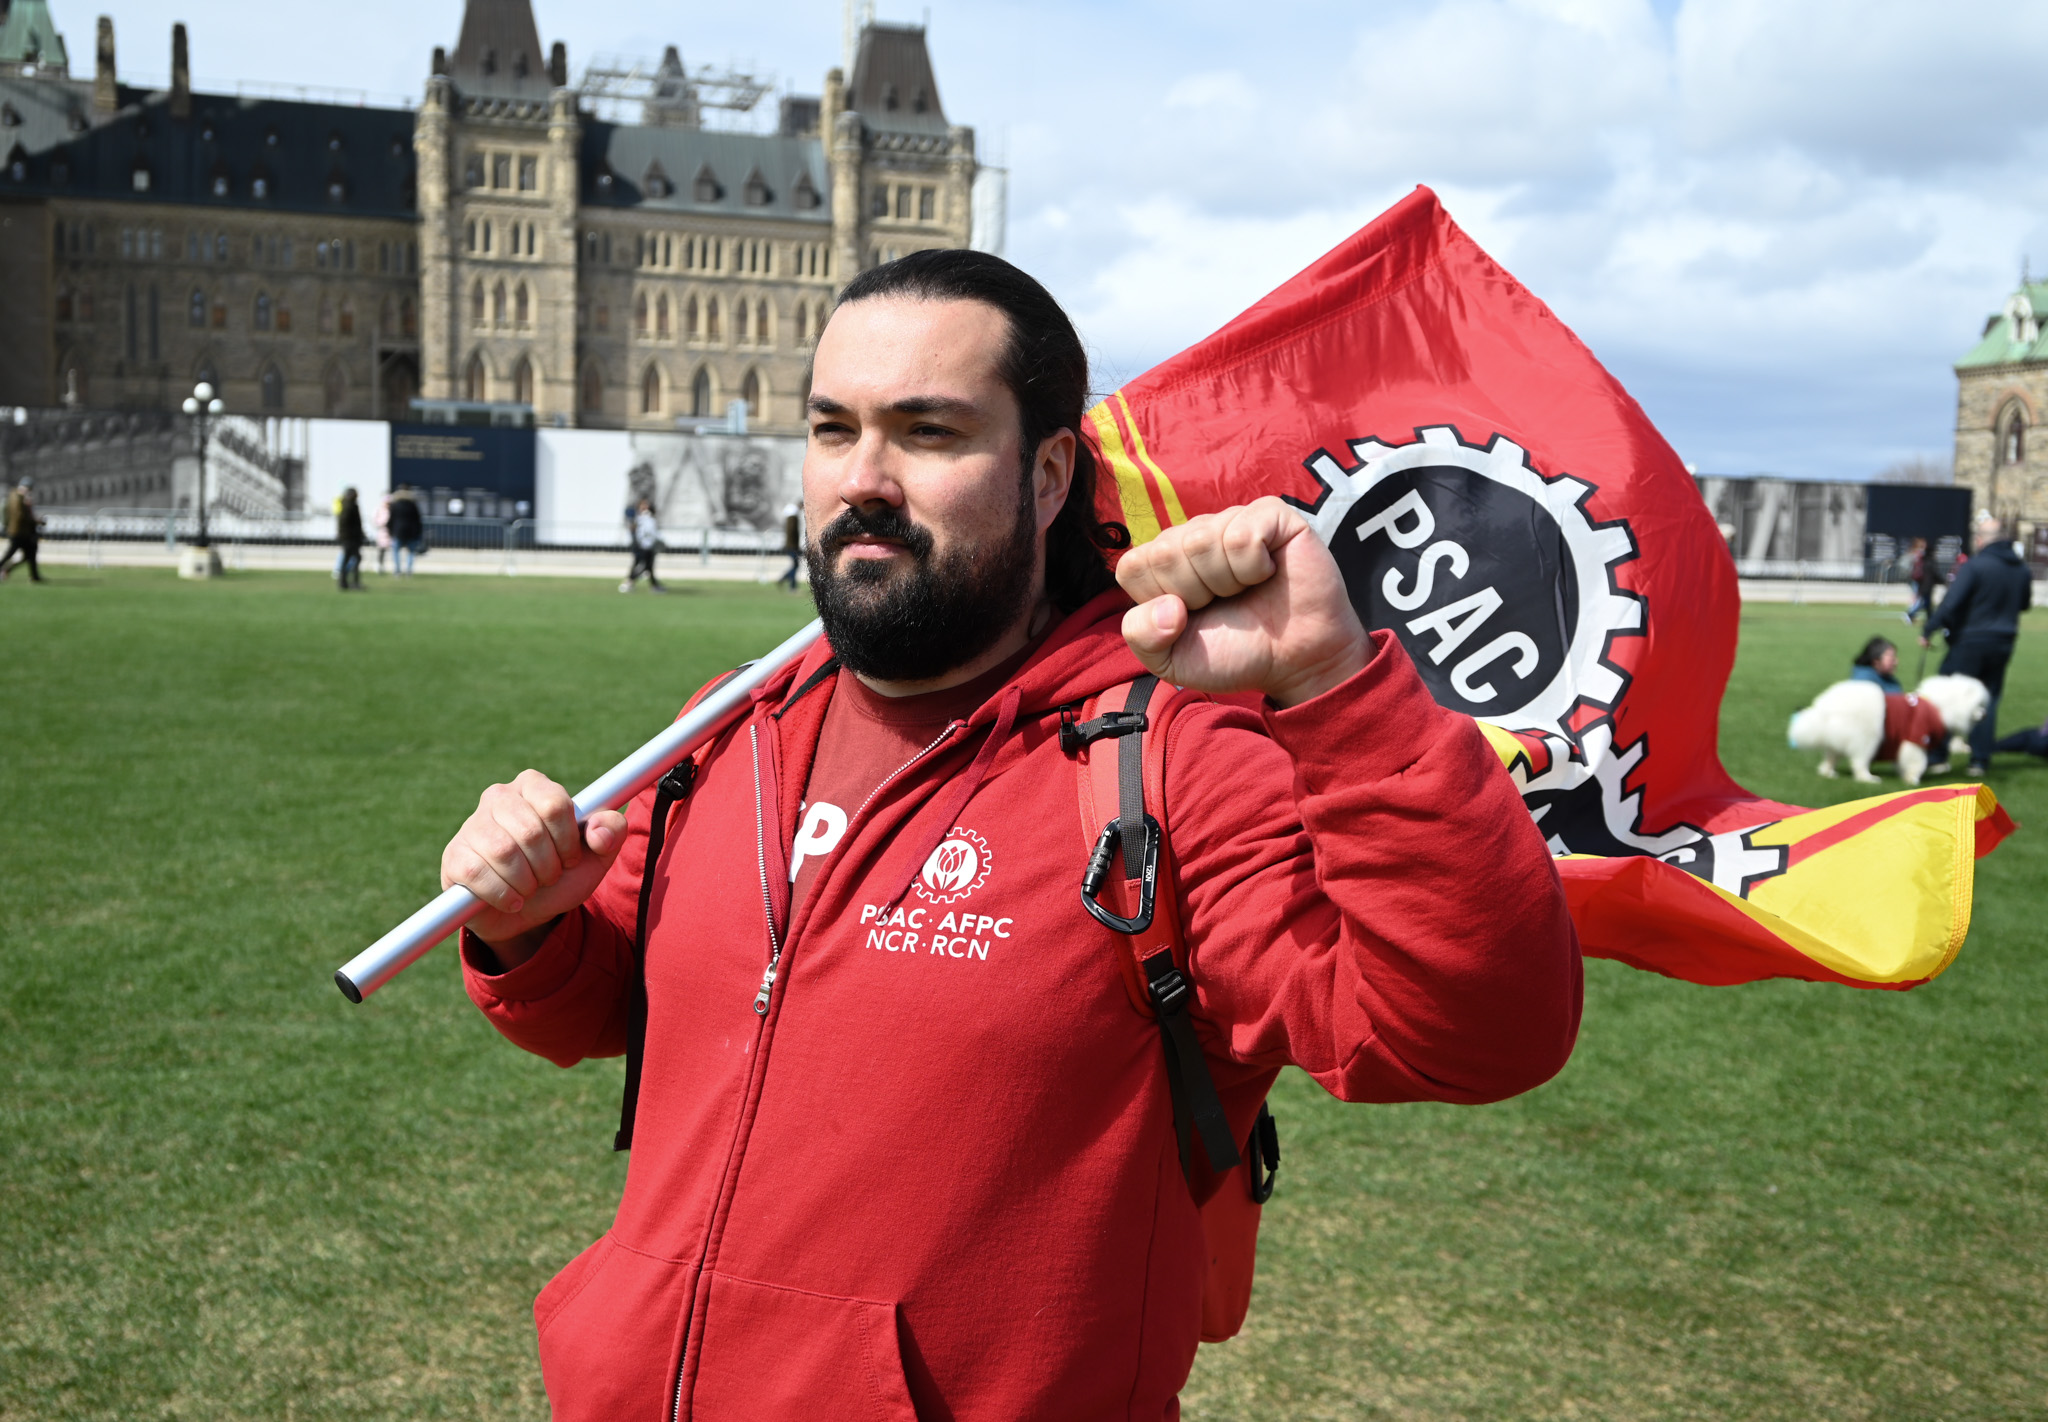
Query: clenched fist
x=1243, y=600
x=523, y=855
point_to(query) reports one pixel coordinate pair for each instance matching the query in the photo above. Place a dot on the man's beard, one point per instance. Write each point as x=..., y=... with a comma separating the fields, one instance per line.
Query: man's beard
x=916, y=624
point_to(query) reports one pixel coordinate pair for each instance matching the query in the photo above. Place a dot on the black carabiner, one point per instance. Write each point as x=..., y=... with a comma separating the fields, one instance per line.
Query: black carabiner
x=1098, y=870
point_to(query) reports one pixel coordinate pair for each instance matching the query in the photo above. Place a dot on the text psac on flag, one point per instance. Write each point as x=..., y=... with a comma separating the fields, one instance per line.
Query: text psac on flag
x=1547, y=562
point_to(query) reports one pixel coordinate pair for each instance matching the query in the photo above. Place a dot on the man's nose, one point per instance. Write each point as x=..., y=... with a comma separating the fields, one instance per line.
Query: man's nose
x=867, y=475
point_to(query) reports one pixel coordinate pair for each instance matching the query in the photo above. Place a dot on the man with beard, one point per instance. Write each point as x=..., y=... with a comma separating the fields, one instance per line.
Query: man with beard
x=904, y=1145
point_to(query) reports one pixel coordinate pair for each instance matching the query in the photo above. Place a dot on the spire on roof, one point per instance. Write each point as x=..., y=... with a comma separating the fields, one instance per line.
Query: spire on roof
x=499, y=51
x=892, y=85
x=29, y=40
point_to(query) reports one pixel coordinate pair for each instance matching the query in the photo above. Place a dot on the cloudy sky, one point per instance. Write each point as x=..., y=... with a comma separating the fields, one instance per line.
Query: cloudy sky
x=1778, y=221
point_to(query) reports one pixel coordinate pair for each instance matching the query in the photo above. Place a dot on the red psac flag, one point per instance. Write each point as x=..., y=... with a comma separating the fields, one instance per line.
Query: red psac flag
x=1496, y=499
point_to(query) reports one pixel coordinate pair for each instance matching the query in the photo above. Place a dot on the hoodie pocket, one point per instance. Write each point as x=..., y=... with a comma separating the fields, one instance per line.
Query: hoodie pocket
x=610, y=1329
x=772, y=1354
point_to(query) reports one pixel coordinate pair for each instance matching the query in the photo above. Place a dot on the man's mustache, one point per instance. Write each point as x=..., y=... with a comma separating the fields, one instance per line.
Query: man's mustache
x=886, y=521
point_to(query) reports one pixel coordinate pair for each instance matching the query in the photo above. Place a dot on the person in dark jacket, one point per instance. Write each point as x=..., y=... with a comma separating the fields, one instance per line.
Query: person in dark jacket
x=1926, y=576
x=1981, y=618
x=348, y=532
x=408, y=531
x=1878, y=662
x=2028, y=742
x=24, y=531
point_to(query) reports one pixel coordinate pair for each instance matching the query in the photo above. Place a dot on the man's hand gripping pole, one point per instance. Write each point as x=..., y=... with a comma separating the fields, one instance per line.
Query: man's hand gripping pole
x=404, y=945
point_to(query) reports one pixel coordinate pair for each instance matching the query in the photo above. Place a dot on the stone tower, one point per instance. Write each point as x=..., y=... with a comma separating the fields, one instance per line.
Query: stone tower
x=2001, y=397
x=496, y=138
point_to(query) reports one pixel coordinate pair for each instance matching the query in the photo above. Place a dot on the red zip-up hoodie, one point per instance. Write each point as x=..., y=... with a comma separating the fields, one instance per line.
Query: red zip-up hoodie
x=937, y=1177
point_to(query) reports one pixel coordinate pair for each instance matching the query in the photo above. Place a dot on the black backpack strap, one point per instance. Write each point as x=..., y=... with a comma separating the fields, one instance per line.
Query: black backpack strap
x=672, y=787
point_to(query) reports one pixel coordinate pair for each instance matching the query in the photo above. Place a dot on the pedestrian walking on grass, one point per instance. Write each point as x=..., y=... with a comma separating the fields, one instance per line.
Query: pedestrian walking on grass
x=1926, y=575
x=348, y=533
x=1981, y=618
x=646, y=543
x=408, y=531
x=24, y=531
x=380, y=525
x=792, y=544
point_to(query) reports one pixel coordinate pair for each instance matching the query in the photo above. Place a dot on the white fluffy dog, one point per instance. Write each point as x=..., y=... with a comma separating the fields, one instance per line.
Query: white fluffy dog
x=1848, y=720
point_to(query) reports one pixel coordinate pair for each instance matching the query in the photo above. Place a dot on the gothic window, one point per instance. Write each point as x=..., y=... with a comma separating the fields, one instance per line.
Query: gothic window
x=522, y=381
x=803, y=321
x=750, y=392
x=661, y=316
x=284, y=316
x=761, y=322
x=521, y=306
x=476, y=304
x=473, y=380
x=700, y=393
x=706, y=188
x=273, y=388
x=640, y=314
x=195, y=309
x=501, y=170
x=927, y=203
x=470, y=232
x=531, y=245
x=903, y=201
x=593, y=388
x=498, y=304
x=487, y=237
x=2012, y=437
x=262, y=321
x=650, y=391
x=691, y=318
x=220, y=313
x=878, y=204
x=408, y=318
x=529, y=174
x=711, y=319
x=347, y=321
x=739, y=322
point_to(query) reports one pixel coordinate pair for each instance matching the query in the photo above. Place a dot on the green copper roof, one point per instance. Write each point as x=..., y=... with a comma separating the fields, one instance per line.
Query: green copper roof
x=29, y=36
x=2005, y=334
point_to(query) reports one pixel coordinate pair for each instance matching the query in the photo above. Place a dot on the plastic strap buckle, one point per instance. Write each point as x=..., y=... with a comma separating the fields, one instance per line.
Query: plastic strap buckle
x=1075, y=735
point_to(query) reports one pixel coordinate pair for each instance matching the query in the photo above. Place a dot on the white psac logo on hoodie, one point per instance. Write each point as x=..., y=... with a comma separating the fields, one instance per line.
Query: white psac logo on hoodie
x=955, y=869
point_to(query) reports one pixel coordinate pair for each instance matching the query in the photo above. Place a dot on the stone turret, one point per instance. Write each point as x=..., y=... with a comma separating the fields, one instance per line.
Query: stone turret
x=181, y=74
x=106, y=86
x=439, y=333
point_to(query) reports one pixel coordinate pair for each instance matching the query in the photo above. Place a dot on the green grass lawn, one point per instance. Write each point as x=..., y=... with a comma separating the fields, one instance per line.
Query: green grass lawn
x=225, y=1193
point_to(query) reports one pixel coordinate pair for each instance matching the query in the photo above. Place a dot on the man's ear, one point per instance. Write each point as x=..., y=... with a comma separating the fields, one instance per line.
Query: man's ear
x=1052, y=475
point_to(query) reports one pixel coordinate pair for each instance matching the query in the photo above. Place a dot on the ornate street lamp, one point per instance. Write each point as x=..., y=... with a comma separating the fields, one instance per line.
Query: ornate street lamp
x=199, y=560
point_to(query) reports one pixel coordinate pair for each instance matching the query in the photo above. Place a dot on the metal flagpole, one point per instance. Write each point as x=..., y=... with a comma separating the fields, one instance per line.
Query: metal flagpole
x=404, y=945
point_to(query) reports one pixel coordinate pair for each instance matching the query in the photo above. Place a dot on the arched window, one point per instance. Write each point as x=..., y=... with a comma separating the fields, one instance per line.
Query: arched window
x=2012, y=434
x=498, y=304
x=262, y=320
x=739, y=322
x=474, y=386
x=711, y=319
x=700, y=393
x=408, y=318
x=692, y=319
x=521, y=306
x=650, y=390
x=761, y=336
x=273, y=388
x=348, y=317
x=593, y=388
x=803, y=320
x=750, y=391
x=476, y=304
x=640, y=314
x=522, y=379
x=661, y=316
x=195, y=311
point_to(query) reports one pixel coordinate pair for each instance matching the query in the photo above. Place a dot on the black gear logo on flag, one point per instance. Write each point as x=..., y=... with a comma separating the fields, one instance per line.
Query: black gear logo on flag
x=1495, y=579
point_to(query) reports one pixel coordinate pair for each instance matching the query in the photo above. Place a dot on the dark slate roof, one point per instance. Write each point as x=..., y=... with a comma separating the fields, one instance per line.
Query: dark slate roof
x=893, y=86
x=300, y=148
x=499, y=54
x=678, y=156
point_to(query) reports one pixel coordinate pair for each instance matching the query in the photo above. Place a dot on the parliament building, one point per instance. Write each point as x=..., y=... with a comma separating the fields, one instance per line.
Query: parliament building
x=508, y=243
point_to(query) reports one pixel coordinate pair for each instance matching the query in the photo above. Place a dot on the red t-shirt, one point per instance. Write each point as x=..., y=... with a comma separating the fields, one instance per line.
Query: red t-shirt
x=1908, y=718
x=866, y=739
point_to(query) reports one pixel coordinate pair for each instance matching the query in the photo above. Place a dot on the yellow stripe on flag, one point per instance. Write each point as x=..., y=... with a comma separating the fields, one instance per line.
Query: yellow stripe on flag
x=1174, y=512
x=1130, y=481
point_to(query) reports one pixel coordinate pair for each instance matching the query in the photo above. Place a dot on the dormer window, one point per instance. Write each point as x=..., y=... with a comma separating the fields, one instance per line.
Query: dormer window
x=10, y=117
x=490, y=61
x=270, y=138
x=519, y=66
x=220, y=185
x=604, y=183
x=206, y=133
x=707, y=188
x=656, y=184
x=334, y=142
x=803, y=193
x=337, y=187
x=398, y=145
x=79, y=123
x=757, y=191
x=17, y=165
x=138, y=178
x=259, y=186
x=889, y=97
x=922, y=103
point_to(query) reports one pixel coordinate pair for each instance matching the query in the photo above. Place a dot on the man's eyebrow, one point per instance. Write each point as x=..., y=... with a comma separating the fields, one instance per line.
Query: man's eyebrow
x=943, y=405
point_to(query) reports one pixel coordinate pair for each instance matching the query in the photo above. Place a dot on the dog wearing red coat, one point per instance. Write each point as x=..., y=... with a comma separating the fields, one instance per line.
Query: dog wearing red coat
x=1858, y=721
